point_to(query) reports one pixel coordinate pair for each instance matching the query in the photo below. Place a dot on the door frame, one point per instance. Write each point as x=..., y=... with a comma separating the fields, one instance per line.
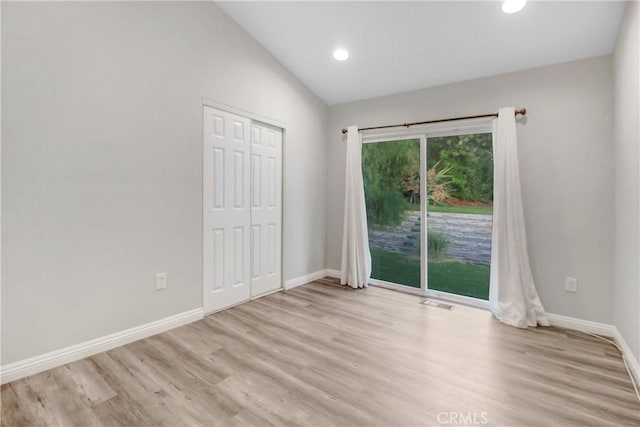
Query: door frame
x=423, y=133
x=253, y=117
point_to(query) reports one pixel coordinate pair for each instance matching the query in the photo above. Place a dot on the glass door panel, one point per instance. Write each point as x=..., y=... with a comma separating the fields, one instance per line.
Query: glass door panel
x=392, y=184
x=459, y=214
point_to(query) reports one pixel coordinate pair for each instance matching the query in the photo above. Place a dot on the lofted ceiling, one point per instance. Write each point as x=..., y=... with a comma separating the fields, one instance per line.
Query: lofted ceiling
x=401, y=46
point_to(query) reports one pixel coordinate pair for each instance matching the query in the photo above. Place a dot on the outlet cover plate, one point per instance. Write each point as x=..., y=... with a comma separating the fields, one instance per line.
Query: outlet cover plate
x=571, y=284
x=161, y=281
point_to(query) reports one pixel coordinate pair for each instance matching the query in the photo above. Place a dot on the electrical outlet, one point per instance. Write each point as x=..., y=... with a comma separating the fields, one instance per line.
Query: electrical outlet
x=161, y=281
x=571, y=284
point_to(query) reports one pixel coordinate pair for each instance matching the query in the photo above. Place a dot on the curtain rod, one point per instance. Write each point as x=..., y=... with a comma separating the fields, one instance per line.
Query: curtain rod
x=521, y=111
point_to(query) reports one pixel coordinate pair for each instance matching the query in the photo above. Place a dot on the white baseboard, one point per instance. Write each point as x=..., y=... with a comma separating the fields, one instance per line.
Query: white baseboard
x=303, y=280
x=33, y=365
x=581, y=325
x=599, y=329
x=36, y=364
x=43, y=362
x=333, y=273
x=558, y=320
x=632, y=362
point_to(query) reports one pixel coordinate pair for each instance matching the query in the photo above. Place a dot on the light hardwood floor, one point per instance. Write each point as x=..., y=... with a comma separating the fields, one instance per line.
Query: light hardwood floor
x=325, y=355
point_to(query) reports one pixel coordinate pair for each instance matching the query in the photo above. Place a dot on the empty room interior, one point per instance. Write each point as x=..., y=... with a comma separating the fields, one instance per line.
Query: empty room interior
x=320, y=213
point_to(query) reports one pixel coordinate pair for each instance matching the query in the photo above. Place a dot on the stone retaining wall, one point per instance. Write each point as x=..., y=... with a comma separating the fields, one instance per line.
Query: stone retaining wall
x=469, y=235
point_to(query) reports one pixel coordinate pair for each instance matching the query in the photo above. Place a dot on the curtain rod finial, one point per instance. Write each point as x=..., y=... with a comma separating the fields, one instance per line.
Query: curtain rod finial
x=522, y=111
x=344, y=131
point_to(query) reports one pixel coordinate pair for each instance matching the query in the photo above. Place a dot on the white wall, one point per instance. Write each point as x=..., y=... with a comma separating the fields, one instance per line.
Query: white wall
x=101, y=161
x=566, y=166
x=626, y=61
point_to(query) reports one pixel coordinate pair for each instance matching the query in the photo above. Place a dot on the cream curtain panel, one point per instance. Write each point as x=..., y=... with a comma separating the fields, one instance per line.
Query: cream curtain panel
x=356, y=258
x=512, y=297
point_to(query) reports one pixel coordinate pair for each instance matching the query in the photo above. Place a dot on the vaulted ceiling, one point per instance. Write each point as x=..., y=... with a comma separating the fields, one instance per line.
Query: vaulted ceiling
x=401, y=46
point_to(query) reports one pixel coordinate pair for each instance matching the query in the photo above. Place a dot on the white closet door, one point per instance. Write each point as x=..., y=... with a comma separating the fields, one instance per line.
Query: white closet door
x=266, y=208
x=227, y=210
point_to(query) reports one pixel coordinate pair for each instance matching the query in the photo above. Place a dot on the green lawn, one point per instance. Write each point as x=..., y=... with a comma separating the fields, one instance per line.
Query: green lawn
x=485, y=210
x=395, y=267
x=459, y=278
x=450, y=276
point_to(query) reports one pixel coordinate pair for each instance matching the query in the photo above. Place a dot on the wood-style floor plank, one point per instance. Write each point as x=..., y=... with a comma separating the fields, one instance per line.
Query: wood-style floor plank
x=326, y=355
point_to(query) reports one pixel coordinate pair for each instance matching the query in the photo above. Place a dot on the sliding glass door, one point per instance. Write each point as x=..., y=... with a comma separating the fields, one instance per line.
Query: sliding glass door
x=393, y=185
x=429, y=211
x=459, y=214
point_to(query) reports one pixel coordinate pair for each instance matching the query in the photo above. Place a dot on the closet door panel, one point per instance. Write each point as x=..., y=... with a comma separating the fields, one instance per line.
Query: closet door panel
x=266, y=209
x=226, y=209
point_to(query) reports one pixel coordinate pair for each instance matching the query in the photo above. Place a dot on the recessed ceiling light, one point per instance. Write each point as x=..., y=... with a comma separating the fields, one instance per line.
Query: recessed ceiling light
x=513, y=6
x=340, y=54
